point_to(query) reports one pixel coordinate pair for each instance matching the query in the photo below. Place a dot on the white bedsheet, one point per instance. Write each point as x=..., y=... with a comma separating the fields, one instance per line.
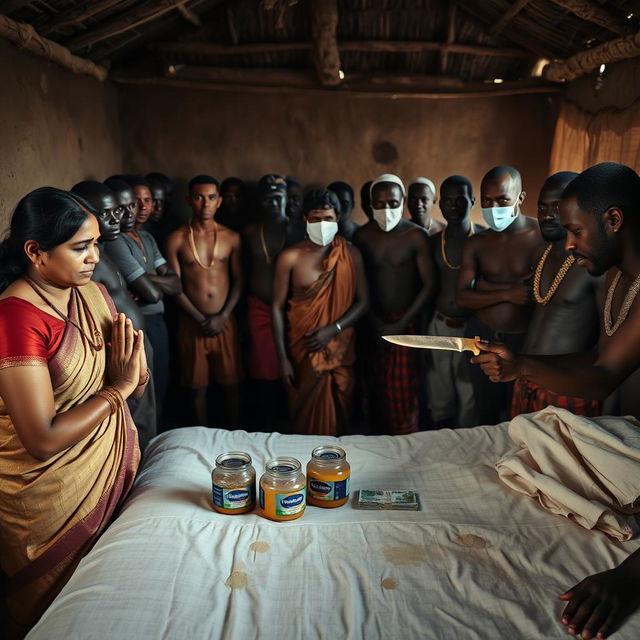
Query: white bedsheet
x=478, y=561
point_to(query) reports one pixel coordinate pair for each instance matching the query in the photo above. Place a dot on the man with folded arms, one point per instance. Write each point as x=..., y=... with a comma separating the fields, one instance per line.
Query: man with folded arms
x=328, y=288
x=600, y=211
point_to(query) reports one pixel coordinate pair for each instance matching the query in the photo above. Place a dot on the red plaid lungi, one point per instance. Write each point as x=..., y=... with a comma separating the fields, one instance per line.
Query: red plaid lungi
x=529, y=397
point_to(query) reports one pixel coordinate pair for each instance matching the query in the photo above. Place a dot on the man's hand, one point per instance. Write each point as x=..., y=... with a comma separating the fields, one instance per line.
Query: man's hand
x=392, y=329
x=319, y=338
x=599, y=603
x=286, y=372
x=497, y=363
x=213, y=324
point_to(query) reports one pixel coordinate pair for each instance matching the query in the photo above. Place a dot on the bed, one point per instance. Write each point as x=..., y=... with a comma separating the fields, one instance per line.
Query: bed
x=476, y=561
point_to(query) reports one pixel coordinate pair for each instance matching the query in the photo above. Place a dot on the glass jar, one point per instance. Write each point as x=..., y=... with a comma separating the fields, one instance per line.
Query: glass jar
x=234, y=483
x=283, y=490
x=328, y=477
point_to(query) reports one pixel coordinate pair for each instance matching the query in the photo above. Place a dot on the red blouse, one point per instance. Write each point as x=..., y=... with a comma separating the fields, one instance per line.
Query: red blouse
x=27, y=334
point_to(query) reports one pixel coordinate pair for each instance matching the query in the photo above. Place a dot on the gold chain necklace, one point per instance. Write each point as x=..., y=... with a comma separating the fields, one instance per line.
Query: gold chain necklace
x=267, y=257
x=97, y=346
x=610, y=328
x=443, y=245
x=562, y=272
x=192, y=244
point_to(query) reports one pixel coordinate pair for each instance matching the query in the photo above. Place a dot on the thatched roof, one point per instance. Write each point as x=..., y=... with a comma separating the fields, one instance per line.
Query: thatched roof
x=360, y=45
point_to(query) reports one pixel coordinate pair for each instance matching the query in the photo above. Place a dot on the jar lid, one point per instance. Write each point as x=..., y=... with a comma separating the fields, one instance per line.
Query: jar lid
x=233, y=460
x=283, y=466
x=328, y=453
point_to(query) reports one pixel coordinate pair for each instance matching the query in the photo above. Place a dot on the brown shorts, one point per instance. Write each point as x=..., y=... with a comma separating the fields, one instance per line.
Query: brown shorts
x=206, y=359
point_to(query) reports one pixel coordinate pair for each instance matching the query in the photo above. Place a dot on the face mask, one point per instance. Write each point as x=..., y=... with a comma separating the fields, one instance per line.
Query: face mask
x=387, y=219
x=499, y=218
x=322, y=232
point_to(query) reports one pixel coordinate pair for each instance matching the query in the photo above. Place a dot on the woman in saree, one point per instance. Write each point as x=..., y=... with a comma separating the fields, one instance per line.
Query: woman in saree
x=68, y=362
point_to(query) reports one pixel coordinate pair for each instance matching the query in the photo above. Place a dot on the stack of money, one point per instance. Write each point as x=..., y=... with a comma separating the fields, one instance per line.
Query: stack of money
x=401, y=499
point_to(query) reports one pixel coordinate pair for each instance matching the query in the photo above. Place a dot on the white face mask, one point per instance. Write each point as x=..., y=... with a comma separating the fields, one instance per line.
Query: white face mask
x=387, y=219
x=322, y=232
x=499, y=218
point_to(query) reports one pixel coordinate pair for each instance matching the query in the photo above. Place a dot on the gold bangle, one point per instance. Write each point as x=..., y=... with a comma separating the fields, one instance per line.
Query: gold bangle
x=105, y=395
x=113, y=397
x=146, y=378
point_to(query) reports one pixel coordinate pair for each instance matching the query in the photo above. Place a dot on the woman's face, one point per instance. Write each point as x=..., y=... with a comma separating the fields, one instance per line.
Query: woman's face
x=71, y=264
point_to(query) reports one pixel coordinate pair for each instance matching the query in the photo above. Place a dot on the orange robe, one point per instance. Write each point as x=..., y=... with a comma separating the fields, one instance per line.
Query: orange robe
x=319, y=401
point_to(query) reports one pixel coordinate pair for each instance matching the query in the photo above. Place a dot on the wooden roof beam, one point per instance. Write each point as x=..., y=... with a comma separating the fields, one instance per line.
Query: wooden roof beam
x=137, y=16
x=324, y=28
x=26, y=37
x=451, y=35
x=189, y=15
x=587, y=61
x=592, y=12
x=508, y=16
x=365, y=46
x=76, y=15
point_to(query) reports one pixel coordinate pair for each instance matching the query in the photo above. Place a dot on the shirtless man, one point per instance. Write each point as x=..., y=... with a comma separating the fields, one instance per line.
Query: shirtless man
x=231, y=211
x=136, y=253
x=401, y=277
x=109, y=212
x=321, y=283
x=294, y=208
x=449, y=388
x=421, y=201
x=599, y=211
x=346, y=227
x=570, y=303
x=494, y=280
x=206, y=256
x=365, y=200
x=263, y=242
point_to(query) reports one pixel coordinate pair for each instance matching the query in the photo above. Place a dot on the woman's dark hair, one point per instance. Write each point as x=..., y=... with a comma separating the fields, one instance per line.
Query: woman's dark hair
x=47, y=215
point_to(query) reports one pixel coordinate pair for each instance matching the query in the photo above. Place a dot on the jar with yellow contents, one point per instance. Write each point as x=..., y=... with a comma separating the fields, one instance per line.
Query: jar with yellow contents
x=328, y=477
x=282, y=491
x=234, y=483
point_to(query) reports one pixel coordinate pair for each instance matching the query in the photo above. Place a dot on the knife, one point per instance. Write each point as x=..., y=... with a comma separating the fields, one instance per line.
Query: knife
x=435, y=342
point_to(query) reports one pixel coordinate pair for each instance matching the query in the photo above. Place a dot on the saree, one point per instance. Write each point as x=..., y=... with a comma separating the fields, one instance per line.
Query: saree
x=51, y=512
x=319, y=401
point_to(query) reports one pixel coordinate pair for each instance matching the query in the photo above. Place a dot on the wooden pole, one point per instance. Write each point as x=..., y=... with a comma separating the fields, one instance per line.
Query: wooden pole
x=367, y=46
x=141, y=14
x=26, y=37
x=76, y=15
x=592, y=12
x=189, y=15
x=451, y=35
x=508, y=16
x=586, y=61
x=324, y=26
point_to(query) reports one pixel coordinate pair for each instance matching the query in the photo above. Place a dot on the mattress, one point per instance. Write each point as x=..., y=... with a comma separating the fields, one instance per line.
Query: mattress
x=476, y=561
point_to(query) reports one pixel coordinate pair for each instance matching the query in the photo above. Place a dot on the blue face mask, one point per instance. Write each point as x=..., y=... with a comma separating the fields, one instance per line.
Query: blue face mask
x=499, y=218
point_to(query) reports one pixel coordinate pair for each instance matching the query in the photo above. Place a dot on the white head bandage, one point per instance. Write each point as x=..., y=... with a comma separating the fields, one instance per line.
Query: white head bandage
x=427, y=182
x=387, y=177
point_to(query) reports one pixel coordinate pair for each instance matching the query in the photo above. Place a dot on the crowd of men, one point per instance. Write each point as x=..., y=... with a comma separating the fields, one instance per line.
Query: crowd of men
x=278, y=300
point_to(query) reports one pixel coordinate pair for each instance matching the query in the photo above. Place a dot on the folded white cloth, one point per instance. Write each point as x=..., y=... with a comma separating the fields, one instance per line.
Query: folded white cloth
x=587, y=469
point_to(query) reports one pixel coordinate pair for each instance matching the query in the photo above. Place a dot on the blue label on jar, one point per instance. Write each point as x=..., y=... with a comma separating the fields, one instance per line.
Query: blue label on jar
x=261, y=498
x=233, y=498
x=288, y=504
x=320, y=490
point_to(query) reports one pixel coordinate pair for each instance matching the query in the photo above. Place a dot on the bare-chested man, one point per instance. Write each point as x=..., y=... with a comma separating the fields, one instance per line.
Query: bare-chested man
x=232, y=210
x=321, y=283
x=494, y=280
x=449, y=389
x=599, y=211
x=401, y=277
x=264, y=240
x=565, y=297
x=109, y=213
x=136, y=253
x=344, y=191
x=421, y=202
x=206, y=256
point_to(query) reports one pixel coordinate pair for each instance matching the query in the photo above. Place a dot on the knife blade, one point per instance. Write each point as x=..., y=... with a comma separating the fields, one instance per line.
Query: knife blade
x=435, y=342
